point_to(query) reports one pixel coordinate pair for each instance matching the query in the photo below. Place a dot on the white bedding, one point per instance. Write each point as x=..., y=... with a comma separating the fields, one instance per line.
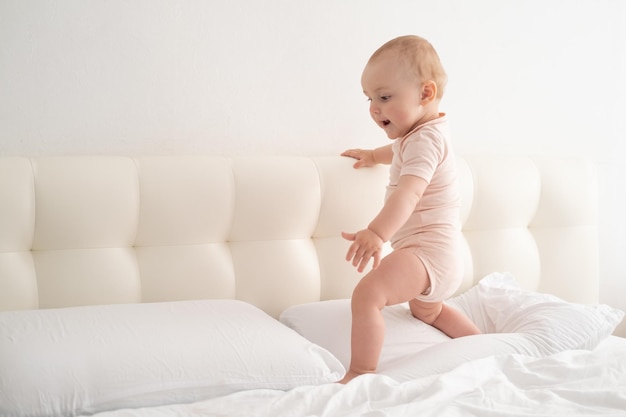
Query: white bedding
x=549, y=365
x=564, y=384
x=540, y=356
x=84, y=360
x=513, y=321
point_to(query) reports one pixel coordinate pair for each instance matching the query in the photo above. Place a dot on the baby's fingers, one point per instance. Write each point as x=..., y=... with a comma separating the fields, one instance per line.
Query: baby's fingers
x=357, y=154
x=348, y=236
x=376, y=260
x=365, y=258
x=352, y=153
x=352, y=252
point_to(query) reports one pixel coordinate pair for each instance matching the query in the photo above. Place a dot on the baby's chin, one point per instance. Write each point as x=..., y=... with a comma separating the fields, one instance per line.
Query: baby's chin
x=390, y=133
x=393, y=135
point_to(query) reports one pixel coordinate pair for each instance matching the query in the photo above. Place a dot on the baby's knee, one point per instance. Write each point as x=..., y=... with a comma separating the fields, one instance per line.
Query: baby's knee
x=426, y=312
x=366, y=294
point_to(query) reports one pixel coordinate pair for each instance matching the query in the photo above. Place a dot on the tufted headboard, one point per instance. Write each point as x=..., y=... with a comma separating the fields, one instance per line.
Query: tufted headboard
x=82, y=230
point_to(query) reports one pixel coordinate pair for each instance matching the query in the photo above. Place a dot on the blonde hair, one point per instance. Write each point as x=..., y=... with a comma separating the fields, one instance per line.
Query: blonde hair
x=419, y=56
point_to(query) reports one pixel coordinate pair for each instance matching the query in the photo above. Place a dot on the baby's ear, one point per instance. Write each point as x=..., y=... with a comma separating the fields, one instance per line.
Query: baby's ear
x=429, y=91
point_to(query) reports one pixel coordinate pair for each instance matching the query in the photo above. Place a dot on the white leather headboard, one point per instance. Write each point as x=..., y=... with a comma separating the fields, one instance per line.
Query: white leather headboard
x=84, y=230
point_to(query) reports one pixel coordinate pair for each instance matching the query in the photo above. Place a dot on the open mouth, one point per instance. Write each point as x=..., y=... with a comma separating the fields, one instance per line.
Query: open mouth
x=386, y=123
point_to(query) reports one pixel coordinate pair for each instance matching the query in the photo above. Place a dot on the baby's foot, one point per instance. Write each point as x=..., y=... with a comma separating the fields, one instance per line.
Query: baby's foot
x=350, y=375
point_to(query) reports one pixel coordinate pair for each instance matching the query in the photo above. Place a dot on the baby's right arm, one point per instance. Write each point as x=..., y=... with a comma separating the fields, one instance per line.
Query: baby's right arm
x=370, y=157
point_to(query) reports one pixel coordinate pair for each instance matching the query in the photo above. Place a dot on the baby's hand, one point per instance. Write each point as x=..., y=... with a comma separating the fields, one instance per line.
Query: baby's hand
x=365, y=245
x=364, y=157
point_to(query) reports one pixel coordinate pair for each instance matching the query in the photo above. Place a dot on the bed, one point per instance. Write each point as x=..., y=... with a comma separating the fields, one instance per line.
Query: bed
x=217, y=286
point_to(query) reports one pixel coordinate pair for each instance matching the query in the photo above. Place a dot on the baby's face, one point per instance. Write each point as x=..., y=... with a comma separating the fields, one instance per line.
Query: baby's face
x=394, y=96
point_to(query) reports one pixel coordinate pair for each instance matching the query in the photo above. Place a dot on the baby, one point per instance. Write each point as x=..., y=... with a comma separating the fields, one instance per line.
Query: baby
x=404, y=82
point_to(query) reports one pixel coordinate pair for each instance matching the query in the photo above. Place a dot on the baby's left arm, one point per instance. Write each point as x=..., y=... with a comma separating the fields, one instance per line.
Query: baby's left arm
x=399, y=206
x=401, y=203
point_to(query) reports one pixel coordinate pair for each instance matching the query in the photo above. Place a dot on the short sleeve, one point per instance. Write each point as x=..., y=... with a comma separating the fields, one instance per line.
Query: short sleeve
x=421, y=154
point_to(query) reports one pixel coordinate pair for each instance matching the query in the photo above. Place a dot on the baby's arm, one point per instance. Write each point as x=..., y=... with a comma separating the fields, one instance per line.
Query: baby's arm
x=370, y=157
x=368, y=243
x=398, y=207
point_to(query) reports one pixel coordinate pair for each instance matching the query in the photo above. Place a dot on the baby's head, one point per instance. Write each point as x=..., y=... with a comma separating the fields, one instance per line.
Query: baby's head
x=419, y=59
x=404, y=82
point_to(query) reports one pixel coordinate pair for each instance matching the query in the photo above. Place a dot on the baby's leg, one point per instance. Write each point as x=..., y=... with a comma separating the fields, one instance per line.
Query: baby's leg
x=445, y=318
x=400, y=277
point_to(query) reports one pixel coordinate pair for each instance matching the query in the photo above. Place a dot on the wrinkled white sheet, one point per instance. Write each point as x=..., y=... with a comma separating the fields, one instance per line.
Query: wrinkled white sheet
x=572, y=383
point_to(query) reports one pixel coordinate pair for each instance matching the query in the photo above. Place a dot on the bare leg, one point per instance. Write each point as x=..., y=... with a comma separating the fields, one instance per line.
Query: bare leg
x=400, y=277
x=445, y=318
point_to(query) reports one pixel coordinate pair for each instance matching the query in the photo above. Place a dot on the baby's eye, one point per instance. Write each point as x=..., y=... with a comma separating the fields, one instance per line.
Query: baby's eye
x=384, y=98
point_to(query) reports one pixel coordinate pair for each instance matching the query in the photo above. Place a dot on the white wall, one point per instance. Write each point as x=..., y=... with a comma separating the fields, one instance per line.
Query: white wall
x=282, y=76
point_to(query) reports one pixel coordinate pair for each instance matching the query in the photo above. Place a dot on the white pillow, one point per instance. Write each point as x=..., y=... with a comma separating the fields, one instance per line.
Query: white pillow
x=515, y=321
x=499, y=305
x=88, y=359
